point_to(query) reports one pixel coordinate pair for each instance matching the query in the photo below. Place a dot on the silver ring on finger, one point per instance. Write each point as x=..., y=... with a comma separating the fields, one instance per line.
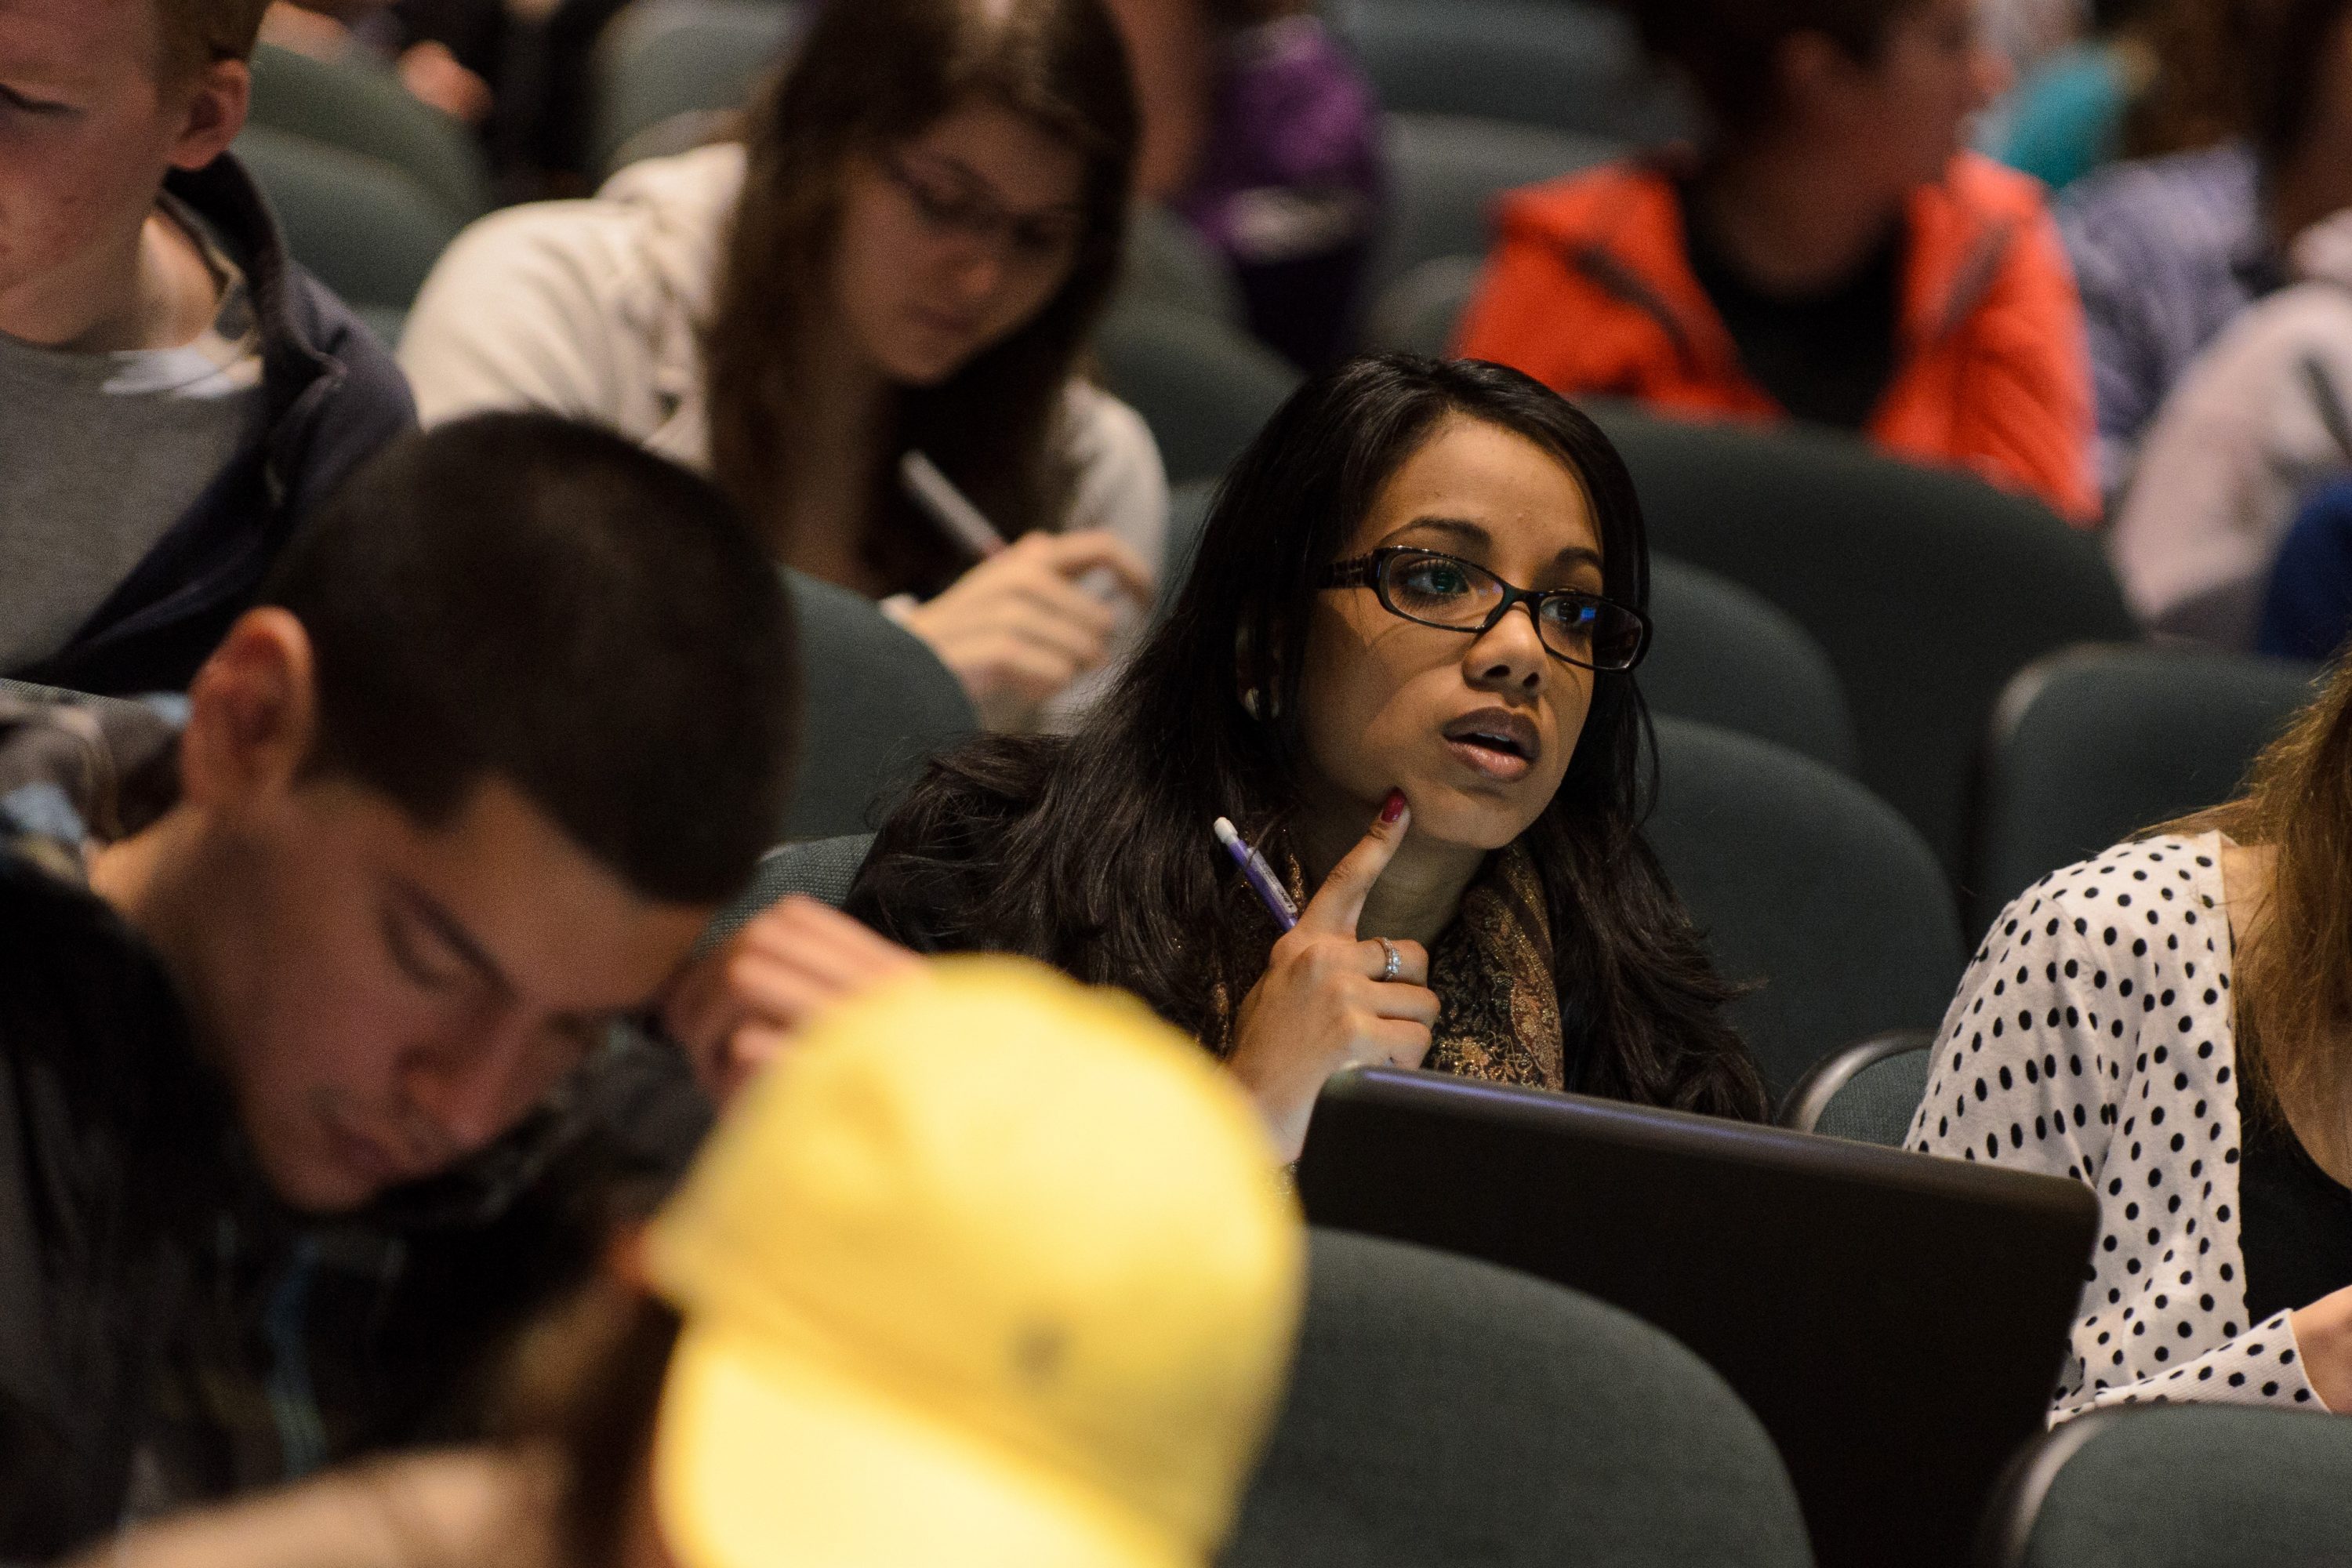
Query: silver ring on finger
x=1395, y=964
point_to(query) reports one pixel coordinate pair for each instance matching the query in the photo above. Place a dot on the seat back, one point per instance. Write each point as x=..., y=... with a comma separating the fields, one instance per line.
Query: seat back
x=1445, y=171
x=2093, y=744
x=2178, y=1486
x=1725, y=657
x=365, y=109
x=1445, y=1411
x=1169, y=264
x=664, y=60
x=877, y=704
x=820, y=869
x=1203, y=386
x=1867, y=1092
x=1561, y=63
x=362, y=226
x=1927, y=588
x=1418, y=311
x=1804, y=882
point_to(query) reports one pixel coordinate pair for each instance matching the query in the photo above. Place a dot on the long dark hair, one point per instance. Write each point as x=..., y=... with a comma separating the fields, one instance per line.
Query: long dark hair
x=1097, y=852
x=869, y=74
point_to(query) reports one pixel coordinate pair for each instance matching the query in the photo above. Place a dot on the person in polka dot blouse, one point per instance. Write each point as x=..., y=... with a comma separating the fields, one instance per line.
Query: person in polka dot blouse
x=2097, y=1035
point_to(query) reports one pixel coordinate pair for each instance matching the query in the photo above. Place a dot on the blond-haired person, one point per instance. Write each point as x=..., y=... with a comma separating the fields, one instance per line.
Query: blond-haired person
x=2167, y=1023
x=992, y=1270
x=175, y=395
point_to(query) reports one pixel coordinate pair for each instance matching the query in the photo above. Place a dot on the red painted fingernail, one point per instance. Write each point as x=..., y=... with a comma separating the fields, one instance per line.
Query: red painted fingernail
x=1393, y=807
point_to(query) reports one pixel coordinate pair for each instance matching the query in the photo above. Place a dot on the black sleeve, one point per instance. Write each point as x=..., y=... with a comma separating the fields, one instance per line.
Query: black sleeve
x=91, y=1043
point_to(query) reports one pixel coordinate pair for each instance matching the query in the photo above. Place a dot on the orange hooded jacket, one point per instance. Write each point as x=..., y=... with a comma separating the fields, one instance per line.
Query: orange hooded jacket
x=1589, y=289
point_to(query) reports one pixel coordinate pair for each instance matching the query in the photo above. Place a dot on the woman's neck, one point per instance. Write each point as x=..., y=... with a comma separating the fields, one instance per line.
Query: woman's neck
x=1419, y=894
x=1789, y=217
x=843, y=425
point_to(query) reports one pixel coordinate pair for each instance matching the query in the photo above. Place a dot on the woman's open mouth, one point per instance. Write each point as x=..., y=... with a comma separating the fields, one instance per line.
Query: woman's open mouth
x=1495, y=742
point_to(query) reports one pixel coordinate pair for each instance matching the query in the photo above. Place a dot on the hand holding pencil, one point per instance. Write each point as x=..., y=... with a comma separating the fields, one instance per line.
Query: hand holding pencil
x=1329, y=1000
x=1026, y=621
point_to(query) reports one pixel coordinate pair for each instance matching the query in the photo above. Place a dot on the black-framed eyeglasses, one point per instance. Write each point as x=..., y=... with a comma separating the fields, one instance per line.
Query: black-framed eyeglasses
x=1435, y=589
x=976, y=216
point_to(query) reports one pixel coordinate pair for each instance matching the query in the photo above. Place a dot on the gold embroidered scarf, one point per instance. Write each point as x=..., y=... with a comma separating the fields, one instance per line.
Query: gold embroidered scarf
x=1499, y=1003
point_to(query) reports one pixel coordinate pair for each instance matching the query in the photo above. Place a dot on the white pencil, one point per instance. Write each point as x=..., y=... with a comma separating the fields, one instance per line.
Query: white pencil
x=948, y=507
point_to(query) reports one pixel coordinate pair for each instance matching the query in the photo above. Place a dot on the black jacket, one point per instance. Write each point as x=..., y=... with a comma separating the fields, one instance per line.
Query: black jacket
x=334, y=397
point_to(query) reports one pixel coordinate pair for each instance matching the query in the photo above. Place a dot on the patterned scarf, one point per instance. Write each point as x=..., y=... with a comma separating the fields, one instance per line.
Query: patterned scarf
x=1498, y=1000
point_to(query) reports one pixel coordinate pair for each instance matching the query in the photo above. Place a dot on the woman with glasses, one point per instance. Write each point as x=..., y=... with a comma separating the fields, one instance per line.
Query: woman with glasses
x=905, y=254
x=1402, y=668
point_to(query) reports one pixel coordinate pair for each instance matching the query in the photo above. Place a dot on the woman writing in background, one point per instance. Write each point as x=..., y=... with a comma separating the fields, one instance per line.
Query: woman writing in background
x=907, y=253
x=1832, y=255
x=2167, y=1024
x=1416, y=607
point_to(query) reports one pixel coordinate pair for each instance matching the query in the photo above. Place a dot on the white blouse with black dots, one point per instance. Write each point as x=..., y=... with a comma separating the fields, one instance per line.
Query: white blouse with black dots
x=2091, y=1038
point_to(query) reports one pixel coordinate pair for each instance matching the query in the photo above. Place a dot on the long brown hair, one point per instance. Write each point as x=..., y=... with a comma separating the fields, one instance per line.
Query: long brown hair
x=2293, y=995
x=869, y=74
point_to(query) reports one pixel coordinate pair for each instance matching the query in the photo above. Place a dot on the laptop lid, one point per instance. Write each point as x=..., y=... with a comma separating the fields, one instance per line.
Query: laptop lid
x=1897, y=1321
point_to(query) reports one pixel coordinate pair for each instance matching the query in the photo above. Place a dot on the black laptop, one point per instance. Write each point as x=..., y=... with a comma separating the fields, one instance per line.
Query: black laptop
x=1897, y=1321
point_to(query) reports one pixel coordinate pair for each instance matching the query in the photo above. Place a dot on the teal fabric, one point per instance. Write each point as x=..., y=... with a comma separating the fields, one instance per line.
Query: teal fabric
x=822, y=868
x=1446, y=172
x=1569, y=64
x=2066, y=117
x=663, y=58
x=1445, y=1411
x=877, y=704
x=1203, y=386
x=2092, y=746
x=2182, y=1485
x=1927, y=588
x=1807, y=887
x=1420, y=310
x=1169, y=266
x=363, y=109
x=1721, y=655
x=362, y=226
x=1876, y=1104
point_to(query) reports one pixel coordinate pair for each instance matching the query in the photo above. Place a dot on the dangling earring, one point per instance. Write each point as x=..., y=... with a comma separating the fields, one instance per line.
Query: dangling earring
x=1251, y=702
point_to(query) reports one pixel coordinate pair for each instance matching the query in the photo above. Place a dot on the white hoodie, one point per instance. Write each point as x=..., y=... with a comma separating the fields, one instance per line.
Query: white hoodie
x=594, y=309
x=2262, y=415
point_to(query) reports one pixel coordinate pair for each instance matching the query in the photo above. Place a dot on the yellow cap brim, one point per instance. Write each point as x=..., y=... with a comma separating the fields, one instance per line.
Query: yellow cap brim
x=764, y=1459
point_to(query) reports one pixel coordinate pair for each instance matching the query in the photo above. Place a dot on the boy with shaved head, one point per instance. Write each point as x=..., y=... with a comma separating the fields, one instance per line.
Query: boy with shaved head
x=309, y=1087
x=174, y=393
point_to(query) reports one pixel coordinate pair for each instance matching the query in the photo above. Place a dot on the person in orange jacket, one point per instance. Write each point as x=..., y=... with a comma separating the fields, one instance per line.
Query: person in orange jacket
x=1831, y=256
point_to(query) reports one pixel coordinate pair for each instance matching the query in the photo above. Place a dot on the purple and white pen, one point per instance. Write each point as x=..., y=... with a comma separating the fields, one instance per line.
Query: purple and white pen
x=1258, y=874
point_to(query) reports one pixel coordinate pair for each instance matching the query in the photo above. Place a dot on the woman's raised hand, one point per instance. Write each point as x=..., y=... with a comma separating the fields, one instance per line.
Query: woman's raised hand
x=1322, y=1005
x=1018, y=629
x=735, y=1009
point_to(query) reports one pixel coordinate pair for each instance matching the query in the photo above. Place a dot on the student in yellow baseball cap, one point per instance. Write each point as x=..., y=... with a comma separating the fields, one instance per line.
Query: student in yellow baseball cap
x=995, y=1269
x=992, y=1270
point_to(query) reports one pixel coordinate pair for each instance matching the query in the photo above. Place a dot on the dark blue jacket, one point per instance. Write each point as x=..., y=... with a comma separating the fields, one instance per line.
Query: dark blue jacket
x=335, y=396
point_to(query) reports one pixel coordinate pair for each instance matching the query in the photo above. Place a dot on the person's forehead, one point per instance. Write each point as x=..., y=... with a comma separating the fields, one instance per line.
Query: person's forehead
x=1522, y=494
x=563, y=933
x=1023, y=165
x=79, y=37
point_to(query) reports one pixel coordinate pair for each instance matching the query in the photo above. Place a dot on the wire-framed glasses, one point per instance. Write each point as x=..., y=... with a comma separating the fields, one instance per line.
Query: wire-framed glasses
x=1435, y=589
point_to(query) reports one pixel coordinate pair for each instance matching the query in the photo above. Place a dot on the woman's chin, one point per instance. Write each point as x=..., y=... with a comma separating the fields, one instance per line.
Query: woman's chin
x=1481, y=822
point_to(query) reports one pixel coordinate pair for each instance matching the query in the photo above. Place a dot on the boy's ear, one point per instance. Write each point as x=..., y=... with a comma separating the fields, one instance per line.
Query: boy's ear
x=217, y=104
x=252, y=711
